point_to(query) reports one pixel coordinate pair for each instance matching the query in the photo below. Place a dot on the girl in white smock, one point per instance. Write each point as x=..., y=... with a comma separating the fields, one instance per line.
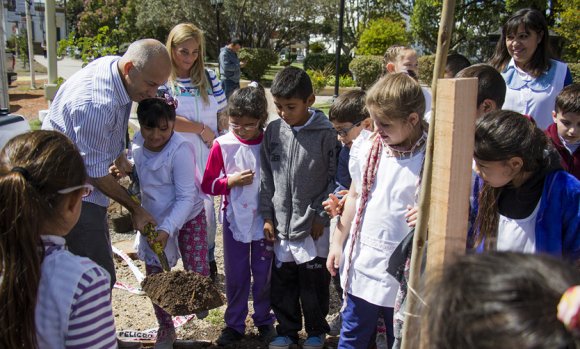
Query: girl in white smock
x=385, y=169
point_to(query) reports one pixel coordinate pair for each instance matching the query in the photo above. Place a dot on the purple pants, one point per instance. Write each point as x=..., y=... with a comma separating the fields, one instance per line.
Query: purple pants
x=192, y=241
x=242, y=262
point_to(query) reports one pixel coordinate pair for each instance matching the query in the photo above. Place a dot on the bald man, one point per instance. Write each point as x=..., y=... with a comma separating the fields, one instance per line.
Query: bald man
x=92, y=108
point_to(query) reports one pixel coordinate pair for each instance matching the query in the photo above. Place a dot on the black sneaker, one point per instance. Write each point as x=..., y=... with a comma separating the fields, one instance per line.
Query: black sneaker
x=229, y=336
x=266, y=333
x=213, y=271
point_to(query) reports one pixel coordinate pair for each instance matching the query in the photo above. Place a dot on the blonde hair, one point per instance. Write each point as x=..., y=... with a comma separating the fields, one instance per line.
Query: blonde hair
x=394, y=53
x=396, y=96
x=178, y=35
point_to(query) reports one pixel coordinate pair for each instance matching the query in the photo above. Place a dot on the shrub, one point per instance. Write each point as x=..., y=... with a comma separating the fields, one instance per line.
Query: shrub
x=344, y=81
x=366, y=70
x=257, y=62
x=575, y=70
x=317, y=47
x=426, y=66
x=380, y=34
x=318, y=78
x=322, y=61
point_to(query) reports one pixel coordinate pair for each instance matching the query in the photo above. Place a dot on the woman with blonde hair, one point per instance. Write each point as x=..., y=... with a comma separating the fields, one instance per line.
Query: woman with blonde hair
x=200, y=100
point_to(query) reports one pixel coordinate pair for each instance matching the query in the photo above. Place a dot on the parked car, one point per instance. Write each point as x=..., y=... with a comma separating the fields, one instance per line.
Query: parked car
x=10, y=64
x=300, y=58
x=11, y=125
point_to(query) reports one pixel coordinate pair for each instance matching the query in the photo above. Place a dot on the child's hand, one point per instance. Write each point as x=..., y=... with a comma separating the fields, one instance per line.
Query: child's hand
x=333, y=260
x=333, y=206
x=317, y=230
x=241, y=178
x=269, y=232
x=411, y=215
x=162, y=238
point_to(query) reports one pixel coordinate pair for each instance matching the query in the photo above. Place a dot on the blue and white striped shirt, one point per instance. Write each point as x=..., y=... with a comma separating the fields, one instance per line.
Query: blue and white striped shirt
x=92, y=108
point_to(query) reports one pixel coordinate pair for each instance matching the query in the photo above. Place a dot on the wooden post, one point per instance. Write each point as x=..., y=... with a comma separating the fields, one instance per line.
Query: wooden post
x=452, y=159
x=443, y=42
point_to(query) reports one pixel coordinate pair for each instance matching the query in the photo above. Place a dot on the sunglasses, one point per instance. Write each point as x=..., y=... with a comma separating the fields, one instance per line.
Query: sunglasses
x=87, y=189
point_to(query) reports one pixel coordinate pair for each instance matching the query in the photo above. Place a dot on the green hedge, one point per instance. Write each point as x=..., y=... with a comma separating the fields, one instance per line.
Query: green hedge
x=257, y=62
x=575, y=70
x=366, y=70
x=326, y=61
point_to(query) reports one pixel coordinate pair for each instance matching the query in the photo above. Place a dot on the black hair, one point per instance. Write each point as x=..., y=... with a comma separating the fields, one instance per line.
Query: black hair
x=456, y=62
x=349, y=107
x=568, y=101
x=490, y=83
x=234, y=41
x=249, y=101
x=499, y=300
x=152, y=111
x=292, y=82
x=532, y=20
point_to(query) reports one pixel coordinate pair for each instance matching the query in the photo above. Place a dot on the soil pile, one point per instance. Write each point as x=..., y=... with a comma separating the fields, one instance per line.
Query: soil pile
x=182, y=292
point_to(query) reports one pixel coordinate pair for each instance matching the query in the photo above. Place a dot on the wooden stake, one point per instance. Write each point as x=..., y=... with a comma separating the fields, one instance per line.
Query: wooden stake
x=443, y=41
x=450, y=189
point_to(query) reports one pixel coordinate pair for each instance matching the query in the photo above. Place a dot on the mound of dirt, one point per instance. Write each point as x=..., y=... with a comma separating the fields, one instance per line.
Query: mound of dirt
x=182, y=292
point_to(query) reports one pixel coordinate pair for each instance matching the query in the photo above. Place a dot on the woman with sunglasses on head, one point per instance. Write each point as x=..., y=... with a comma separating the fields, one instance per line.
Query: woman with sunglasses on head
x=233, y=171
x=523, y=56
x=49, y=298
x=201, y=99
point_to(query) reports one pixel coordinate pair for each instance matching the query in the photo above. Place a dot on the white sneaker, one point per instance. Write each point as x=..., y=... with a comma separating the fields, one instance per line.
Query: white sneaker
x=335, y=324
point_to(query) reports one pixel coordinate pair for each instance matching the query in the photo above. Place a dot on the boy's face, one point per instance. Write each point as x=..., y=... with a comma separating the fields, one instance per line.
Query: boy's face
x=347, y=131
x=408, y=63
x=568, y=125
x=294, y=111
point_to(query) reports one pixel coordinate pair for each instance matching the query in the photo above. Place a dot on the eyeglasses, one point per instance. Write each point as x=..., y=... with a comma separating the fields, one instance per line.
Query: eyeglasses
x=343, y=132
x=87, y=189
x=237, y=127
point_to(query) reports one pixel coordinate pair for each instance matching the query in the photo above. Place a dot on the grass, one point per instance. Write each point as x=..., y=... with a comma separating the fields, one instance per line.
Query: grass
x=35, y=124
x=216, y=317
x=322, y=106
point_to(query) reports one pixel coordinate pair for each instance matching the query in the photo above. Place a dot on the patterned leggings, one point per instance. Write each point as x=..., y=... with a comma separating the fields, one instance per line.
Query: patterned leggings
x=192, y=240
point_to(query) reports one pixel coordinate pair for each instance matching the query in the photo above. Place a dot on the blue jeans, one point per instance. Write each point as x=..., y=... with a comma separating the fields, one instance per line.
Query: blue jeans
x=359, y=323
x=229, y=87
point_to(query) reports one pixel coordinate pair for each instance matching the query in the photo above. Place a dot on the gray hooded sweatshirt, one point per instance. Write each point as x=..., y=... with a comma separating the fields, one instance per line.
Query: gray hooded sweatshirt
x=229, y=65
x=297, y=174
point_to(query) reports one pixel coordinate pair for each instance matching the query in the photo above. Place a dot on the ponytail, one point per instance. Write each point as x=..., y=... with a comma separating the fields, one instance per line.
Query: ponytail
x=33, y=168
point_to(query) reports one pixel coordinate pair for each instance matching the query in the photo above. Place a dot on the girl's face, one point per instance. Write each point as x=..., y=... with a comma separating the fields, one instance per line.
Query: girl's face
x=522, y=44
x=245, y=127
x=155, y=138
x=496, y=173
x=184, y=56
x=394, y=131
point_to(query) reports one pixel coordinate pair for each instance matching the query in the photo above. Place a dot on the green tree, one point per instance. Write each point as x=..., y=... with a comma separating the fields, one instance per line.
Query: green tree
x=380, y=34
x=474, y=21
x=568, y=26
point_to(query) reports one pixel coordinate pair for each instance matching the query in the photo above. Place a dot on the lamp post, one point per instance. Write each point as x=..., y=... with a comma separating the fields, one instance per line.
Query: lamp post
x=217, y=4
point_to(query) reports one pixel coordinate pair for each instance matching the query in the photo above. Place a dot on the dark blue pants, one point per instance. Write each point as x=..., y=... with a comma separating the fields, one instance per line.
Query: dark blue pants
x=229, y=87
x=359, y=323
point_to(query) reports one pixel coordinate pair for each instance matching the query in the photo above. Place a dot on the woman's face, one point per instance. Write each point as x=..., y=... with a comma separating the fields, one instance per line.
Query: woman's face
x=522, y=44
x=184, y=56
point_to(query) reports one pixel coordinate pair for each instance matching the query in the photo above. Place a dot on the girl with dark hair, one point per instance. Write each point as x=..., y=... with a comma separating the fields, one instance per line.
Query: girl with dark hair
x=233, y=171
x=526, y=203
x=49, y=298
x=502, y=300
x=170, y=189
x=523, y=57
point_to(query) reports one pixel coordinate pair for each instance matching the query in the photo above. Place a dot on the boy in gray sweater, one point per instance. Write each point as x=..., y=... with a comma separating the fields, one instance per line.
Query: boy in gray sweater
x=298, y=165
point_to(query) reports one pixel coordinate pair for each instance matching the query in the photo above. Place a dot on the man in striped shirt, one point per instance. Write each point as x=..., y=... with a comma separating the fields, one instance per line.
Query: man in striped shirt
x=92, y=108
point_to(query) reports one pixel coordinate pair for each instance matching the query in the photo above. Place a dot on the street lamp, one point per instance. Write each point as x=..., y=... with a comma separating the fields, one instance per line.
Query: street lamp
x=217, y=4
